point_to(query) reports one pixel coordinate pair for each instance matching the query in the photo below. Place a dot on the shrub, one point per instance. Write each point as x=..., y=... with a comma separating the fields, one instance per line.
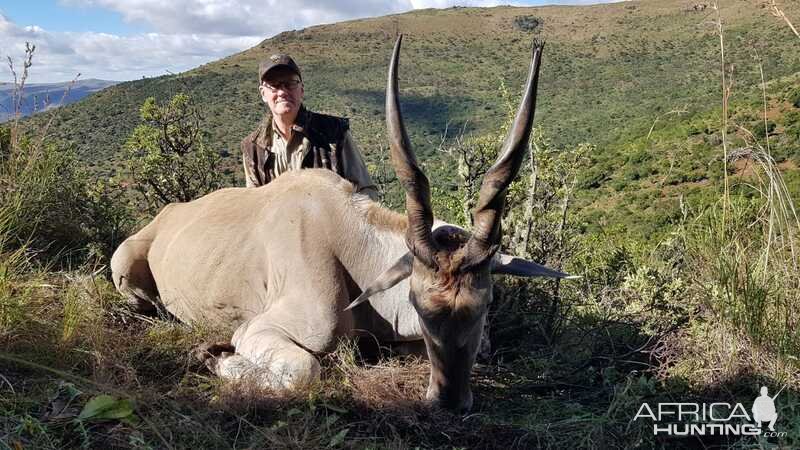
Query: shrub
x=793, y=97
x=760, y=129
x=167, y=158
x=527, y=23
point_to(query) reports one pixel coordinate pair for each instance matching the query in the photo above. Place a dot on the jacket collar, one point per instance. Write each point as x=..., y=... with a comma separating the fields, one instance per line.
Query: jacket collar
x=264, y=136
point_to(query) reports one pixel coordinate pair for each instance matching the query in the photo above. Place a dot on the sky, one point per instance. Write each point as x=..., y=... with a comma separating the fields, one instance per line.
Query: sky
x=129, y=39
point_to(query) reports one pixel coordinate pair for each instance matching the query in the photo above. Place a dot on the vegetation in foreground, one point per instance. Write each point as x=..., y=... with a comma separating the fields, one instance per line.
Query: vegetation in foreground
x=704, y=310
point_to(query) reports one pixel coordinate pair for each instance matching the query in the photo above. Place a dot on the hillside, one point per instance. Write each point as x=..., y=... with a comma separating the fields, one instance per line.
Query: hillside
x=650, y=181
x=610, y=71
x=43, y=96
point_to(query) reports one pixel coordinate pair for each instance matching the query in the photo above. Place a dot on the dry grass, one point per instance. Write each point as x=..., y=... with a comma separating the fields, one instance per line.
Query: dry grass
x=358, y=404
x=395, y=385
x=778, y=12
x=719, y=356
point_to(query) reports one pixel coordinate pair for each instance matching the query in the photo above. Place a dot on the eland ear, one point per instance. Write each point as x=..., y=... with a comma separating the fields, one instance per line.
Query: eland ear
x=511, y=265
x=399, y=271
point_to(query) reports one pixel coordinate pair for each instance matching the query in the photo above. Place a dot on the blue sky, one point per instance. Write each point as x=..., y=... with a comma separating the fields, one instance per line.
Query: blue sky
x=51, y=15
x=129, y=39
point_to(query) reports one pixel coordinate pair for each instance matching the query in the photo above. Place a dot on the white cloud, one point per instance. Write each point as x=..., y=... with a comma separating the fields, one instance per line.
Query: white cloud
x=242, y=17
x=186, y=33
x=255, y=17
x=61, y=56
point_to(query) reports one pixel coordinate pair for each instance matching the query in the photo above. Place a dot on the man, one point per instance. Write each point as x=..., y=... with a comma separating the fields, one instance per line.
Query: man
x=291, y=137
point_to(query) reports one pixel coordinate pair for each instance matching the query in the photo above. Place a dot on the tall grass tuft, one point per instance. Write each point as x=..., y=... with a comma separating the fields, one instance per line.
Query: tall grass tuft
x=744, y=275
x=14, y=263
x=745, y=246
x=61, y=214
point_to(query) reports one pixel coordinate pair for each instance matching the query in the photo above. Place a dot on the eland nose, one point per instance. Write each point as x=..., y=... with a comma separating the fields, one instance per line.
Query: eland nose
x=458, y=404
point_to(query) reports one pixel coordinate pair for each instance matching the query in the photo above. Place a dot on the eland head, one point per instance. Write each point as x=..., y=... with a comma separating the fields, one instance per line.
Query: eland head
x=450, y=269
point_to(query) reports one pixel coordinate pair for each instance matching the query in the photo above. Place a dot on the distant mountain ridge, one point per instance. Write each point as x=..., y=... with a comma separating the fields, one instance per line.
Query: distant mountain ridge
x=38, y=97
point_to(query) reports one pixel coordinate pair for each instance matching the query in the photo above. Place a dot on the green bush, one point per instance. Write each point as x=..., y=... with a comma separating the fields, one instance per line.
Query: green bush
x=793, y=97
x=760, y=129
x=167, y=157
x=527, y=23
x=791, y=122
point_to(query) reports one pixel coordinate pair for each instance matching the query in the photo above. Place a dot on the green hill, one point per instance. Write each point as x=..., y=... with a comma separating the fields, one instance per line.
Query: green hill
x=649, y=181
x=611, y=73
x=610, y=70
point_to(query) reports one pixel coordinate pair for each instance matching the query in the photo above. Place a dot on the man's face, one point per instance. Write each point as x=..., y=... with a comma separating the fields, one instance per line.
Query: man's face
x=282, y=91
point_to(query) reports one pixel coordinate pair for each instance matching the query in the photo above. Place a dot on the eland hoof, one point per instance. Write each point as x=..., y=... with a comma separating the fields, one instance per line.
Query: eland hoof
x=209, y=352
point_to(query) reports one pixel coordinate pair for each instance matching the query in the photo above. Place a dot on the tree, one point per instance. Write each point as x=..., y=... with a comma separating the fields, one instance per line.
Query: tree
x=167, y=158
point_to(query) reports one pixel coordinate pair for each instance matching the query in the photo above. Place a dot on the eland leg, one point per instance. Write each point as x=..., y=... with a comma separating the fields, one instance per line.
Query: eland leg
x=278, y=348
x=132, y=277
x=269, y=355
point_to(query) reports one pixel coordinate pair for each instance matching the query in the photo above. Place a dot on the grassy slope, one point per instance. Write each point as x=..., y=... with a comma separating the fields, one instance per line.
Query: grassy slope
x=638, y=185
x=610, y=70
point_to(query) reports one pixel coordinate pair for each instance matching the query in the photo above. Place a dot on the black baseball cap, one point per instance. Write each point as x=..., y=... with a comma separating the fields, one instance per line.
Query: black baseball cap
x=275, y=61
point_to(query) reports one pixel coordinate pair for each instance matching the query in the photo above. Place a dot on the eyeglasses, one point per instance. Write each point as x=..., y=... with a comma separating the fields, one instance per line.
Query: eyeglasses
x=287, y=85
